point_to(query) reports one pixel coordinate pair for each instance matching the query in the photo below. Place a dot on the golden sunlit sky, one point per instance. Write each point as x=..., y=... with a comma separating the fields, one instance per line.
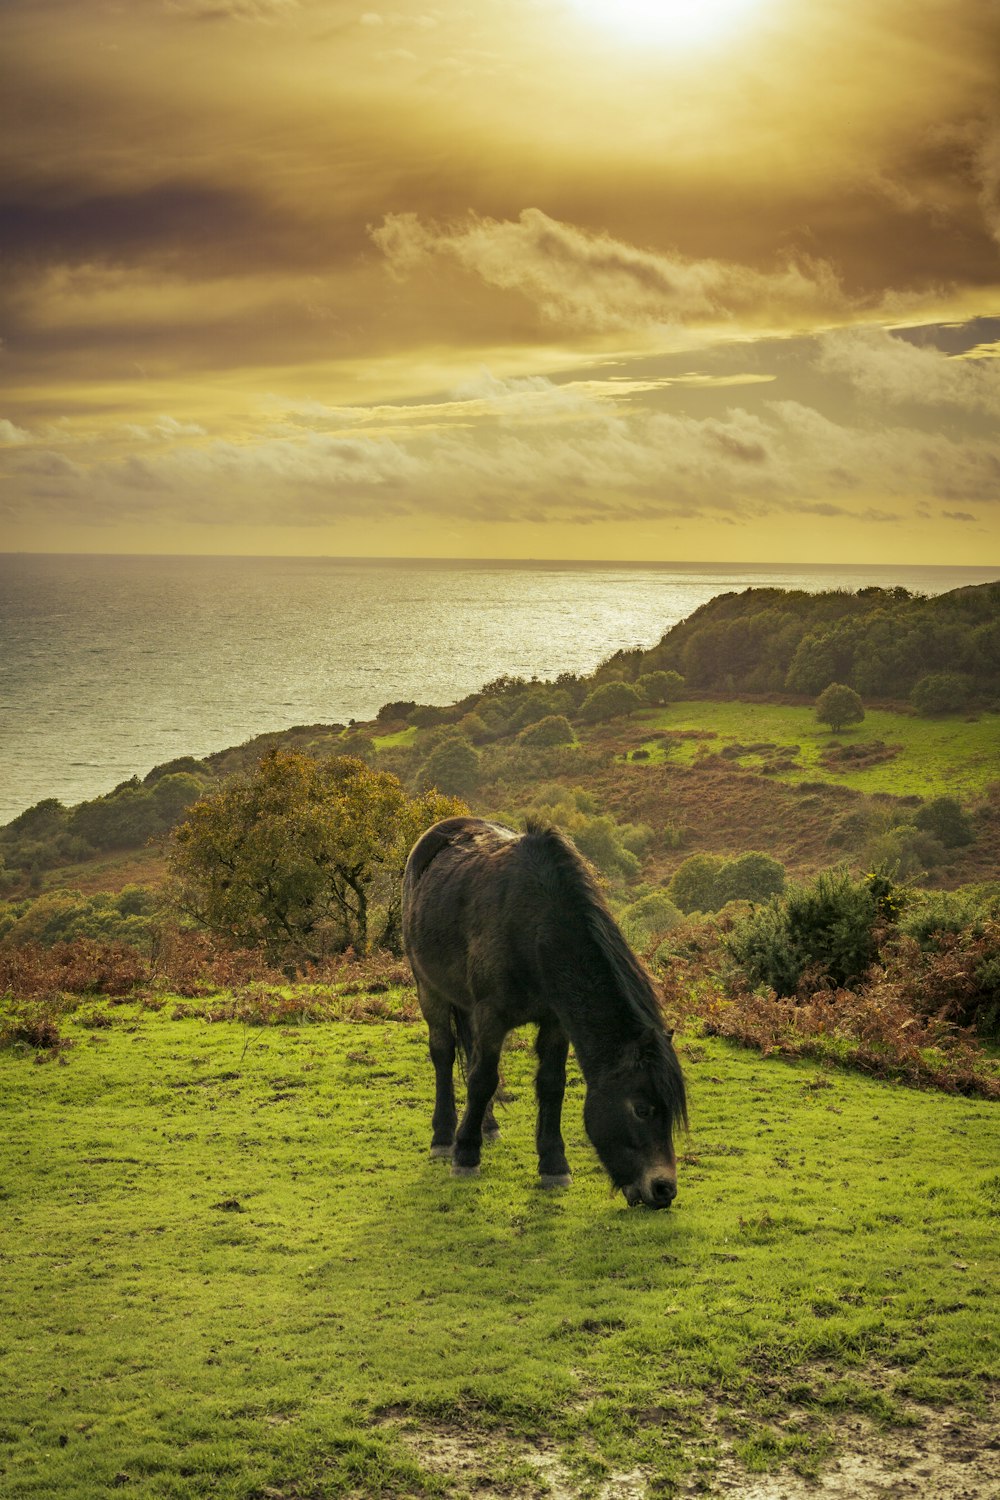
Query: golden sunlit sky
x=684, y=280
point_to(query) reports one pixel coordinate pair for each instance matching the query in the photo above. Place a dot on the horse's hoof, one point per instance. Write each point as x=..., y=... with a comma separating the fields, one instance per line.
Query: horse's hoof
x=457, y=1171
x=554, y=1179
x=441, y=1152
x=491, y=1135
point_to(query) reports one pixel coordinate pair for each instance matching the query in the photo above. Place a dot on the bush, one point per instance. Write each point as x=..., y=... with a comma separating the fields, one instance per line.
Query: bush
x=941, y=693
x=452, y=767
x=131, y=916
x=826, y=931
x=694, y=883
x=839, y=706
x=647, y=919
x=944, y=820
x=181, y=765
x=391, y=713
x=613, y=847
x=904, y=852
x=610, y=701
x=553, y=730
x=706, y=882
x=750, y=877
x=426, y=715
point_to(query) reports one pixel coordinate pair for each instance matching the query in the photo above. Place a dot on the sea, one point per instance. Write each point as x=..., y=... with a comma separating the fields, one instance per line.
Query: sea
x=111, y=665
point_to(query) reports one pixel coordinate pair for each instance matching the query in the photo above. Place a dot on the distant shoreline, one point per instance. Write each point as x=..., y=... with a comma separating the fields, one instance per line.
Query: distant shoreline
x=526, y=563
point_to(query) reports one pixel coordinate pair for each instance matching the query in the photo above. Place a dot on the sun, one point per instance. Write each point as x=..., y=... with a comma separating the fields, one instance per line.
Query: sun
x=680, y=23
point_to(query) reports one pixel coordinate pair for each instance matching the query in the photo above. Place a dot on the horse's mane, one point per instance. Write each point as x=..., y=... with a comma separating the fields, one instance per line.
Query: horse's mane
x=563, y=869
x=572, y=877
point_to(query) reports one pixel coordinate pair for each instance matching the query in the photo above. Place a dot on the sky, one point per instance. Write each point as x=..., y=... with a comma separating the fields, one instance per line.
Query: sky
x=690, y=280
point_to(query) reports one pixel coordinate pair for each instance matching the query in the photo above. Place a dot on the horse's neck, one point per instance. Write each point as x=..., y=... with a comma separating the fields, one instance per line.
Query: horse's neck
x=600, y=1023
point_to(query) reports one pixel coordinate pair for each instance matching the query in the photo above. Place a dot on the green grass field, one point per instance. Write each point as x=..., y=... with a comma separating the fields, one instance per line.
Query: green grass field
x=229, y=1268
x=949, y=756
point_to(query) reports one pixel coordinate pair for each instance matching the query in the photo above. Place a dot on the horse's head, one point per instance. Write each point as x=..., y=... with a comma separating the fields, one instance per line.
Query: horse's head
x=630, y=1114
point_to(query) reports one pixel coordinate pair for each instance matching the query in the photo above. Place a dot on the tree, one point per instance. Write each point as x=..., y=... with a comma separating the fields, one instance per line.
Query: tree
x=609, y=701
x=661, y=687
x=839, y=706
x=553, y=730
x=301, y=856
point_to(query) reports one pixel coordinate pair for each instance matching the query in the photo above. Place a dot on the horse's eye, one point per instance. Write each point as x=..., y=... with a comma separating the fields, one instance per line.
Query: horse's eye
x=643, y=1111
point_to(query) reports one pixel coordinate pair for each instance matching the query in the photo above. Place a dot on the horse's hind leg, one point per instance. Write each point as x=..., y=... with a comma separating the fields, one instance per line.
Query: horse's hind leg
x=437, y=1013
x=463, y=1029
x=483, y=1077
x=552, y=1047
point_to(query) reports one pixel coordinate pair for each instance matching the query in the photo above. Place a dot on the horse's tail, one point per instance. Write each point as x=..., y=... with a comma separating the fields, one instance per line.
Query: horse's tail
x=462, y=1028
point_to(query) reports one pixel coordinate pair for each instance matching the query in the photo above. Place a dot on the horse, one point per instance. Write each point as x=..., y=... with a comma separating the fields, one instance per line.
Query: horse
x=504, y=929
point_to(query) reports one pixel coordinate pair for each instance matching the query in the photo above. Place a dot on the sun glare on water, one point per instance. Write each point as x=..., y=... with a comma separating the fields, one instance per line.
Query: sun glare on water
x=680, y=23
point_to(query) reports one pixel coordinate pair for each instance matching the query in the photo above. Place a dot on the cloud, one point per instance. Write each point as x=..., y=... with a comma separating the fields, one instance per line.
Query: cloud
x=894, y=371
x=587, y=280
x=233, y=10
x=11, y=434
x=521, y=450
x=988, y=172
x=165, y=427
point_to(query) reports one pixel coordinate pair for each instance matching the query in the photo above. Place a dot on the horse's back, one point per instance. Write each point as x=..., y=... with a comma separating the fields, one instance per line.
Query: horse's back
x=462, y=889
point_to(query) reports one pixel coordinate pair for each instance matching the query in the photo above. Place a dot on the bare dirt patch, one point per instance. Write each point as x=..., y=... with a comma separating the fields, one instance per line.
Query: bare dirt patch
x=946, y=1455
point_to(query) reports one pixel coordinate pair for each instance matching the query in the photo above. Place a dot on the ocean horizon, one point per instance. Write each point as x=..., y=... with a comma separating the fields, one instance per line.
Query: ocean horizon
x=113, y=663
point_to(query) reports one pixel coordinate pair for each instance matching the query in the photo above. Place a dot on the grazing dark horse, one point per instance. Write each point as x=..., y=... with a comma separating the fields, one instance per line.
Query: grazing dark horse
x=503, y=928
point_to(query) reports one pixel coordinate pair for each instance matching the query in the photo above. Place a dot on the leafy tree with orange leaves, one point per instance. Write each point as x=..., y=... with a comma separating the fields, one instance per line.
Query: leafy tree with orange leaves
x=302, y=856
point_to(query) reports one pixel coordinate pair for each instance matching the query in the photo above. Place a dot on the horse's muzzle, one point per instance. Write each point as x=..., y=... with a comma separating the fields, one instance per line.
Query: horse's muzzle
x=654, y=1192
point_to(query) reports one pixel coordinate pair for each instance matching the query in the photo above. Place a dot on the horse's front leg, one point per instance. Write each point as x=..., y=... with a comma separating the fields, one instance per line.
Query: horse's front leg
x=482, y=1080
x=552, y=1047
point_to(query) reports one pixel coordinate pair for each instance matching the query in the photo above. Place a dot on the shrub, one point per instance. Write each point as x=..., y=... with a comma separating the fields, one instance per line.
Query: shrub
x=694, y=883
x=941, y=693
x=610, y=701
x=537, y=704
x=824, y=931
x=391, y=713
x=426, y=715
x=41, y=821
x=181, y=765
x=954, y=976
x=903, y=852
x=473, y=728
x=648, y=918
x=553, y=730
x=750, y=877
x=945, y=820
x=452, y=766
x=839, y=706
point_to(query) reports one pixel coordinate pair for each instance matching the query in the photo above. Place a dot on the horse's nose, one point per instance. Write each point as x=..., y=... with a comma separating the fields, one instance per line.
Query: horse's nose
x=663, y=1191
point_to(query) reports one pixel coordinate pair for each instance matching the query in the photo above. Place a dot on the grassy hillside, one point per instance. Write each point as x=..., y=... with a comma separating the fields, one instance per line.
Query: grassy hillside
x=891, y=752
x=230, y=1269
